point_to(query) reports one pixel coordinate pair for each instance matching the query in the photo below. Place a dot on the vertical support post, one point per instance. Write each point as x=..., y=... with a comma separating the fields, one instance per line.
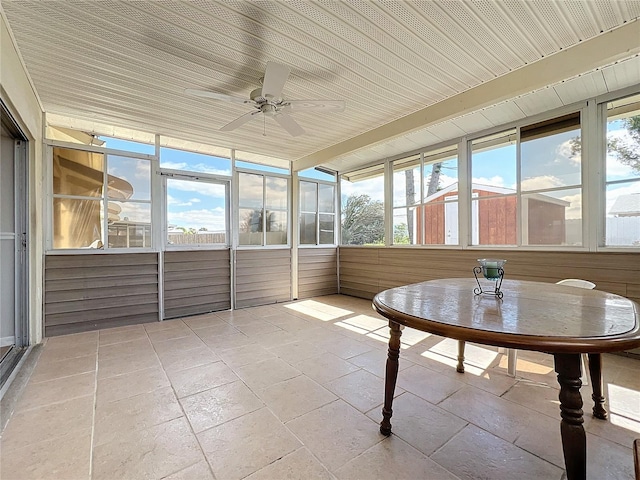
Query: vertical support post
x=574, y=440
x=390, y=377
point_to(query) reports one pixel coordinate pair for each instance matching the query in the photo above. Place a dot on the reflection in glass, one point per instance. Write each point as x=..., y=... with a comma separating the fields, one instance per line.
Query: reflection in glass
x=623, y=214
x=77, y=223
x=327, y=227
x=493, y=160
x=251, y=190
x=552, y=218
x=276, y=193
x=251, y=227
x=308, y=196
x=326, y=198
x=77, y=173
x=494, y=220
x=129, y=178
x=308, y=229
x=276, y=228
x=129, y=225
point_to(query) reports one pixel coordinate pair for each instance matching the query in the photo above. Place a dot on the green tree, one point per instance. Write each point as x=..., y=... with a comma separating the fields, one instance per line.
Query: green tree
x=626, y=150
x=401, y=234
x=363, y=221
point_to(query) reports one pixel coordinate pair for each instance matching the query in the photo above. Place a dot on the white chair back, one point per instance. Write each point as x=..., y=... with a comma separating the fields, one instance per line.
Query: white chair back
x=575, y=282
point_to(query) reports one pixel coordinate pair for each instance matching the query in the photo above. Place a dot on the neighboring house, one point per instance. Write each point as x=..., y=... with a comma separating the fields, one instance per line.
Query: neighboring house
x=494, y=220
x=623, y=221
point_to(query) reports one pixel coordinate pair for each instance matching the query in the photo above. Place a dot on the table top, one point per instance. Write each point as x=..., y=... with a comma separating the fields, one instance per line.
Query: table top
x=531, y=315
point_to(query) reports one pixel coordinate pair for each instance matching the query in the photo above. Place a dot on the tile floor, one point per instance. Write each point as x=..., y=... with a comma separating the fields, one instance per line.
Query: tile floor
x=294, y=391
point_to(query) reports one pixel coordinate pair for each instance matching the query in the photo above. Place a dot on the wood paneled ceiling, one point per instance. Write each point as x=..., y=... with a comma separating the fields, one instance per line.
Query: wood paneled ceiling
x=413, y=73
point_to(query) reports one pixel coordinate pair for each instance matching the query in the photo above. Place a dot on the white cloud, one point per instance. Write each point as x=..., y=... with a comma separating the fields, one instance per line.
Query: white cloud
x=564, y=154
x=373, y=187
x=213, y=219
x=197, y=167
x=574, y=210
x=615, y=168
x=541, y=182
x=495, y=181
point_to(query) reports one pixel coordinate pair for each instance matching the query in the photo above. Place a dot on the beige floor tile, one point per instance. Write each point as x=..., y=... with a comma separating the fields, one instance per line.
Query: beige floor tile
x=56, y=353
x=275, y=339
x=361, y=389
x=295, y=397
x=222, y=328
x=152, y=453
x=56, y=391
x=336, y=433
x=475, y=453
x=257, y=329
x=542, y=438
x=164, y=325
x=119, y=365
x=299, y=465
x=65, y=341
x=618, y=429
x=130, y=384
x=227, y=342
x=432, y=386
x=296, y=351
x=375, y=361
x=607, y=460
x=203, y=321
x=60, y=458
x=392, y=458
x=264, y=374
x=179, y=331
x=344, y=347
x=424, y=426
x=201, y=378
x=244, y=355
x=218, y=405
x=182, y=344
x=198, y=471
x=115, y=419
x=139, y=346
x=109, y=337
x=537, y=396
x=49, y=422
x=501, y=417
x=176, y=360
x=290, y=323
x=325, y=367
x=63, y=368
x=242, y=446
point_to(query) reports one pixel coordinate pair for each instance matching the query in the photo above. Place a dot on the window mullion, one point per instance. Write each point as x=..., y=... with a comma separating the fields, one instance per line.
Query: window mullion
x=105, y=203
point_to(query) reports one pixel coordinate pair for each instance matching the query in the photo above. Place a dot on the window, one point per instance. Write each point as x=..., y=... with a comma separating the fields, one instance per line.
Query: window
x=622, y=209
x=196, y=212
x=262, y=209
x=94, y=193
x=534, y=198
x=317, y=213
x=173, y=159
x=362, y=206
x=425, y=200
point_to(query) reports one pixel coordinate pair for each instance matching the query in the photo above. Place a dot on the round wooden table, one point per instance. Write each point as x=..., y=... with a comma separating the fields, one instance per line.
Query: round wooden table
x=563, y=321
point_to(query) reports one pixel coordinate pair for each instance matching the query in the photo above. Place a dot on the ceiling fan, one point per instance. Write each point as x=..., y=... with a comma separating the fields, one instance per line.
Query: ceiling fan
x=268, y=101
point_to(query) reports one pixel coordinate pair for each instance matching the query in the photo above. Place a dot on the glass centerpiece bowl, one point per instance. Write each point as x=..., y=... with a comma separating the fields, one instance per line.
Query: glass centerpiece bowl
x=491, y=268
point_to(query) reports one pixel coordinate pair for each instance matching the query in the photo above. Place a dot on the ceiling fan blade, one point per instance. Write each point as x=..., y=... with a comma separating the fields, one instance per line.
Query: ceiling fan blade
x=289, y=124
x=238, y=121
x=317, y=105
x=275, y=77
x=217, y=96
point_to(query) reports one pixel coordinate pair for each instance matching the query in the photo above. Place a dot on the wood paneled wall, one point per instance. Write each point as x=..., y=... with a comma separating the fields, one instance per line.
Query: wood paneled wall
x=88, y=292
x=317, y=272
x=365, y=271
x=262, y=276
x=196, y=282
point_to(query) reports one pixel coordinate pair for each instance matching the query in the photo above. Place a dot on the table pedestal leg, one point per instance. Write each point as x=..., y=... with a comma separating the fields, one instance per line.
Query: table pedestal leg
x=390, y=377
x=460, y=366
x=595, y=373
x=574, y=441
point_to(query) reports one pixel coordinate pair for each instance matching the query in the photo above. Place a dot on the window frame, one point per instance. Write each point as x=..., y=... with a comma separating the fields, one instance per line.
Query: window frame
x=103, y=199
x=318, y=212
